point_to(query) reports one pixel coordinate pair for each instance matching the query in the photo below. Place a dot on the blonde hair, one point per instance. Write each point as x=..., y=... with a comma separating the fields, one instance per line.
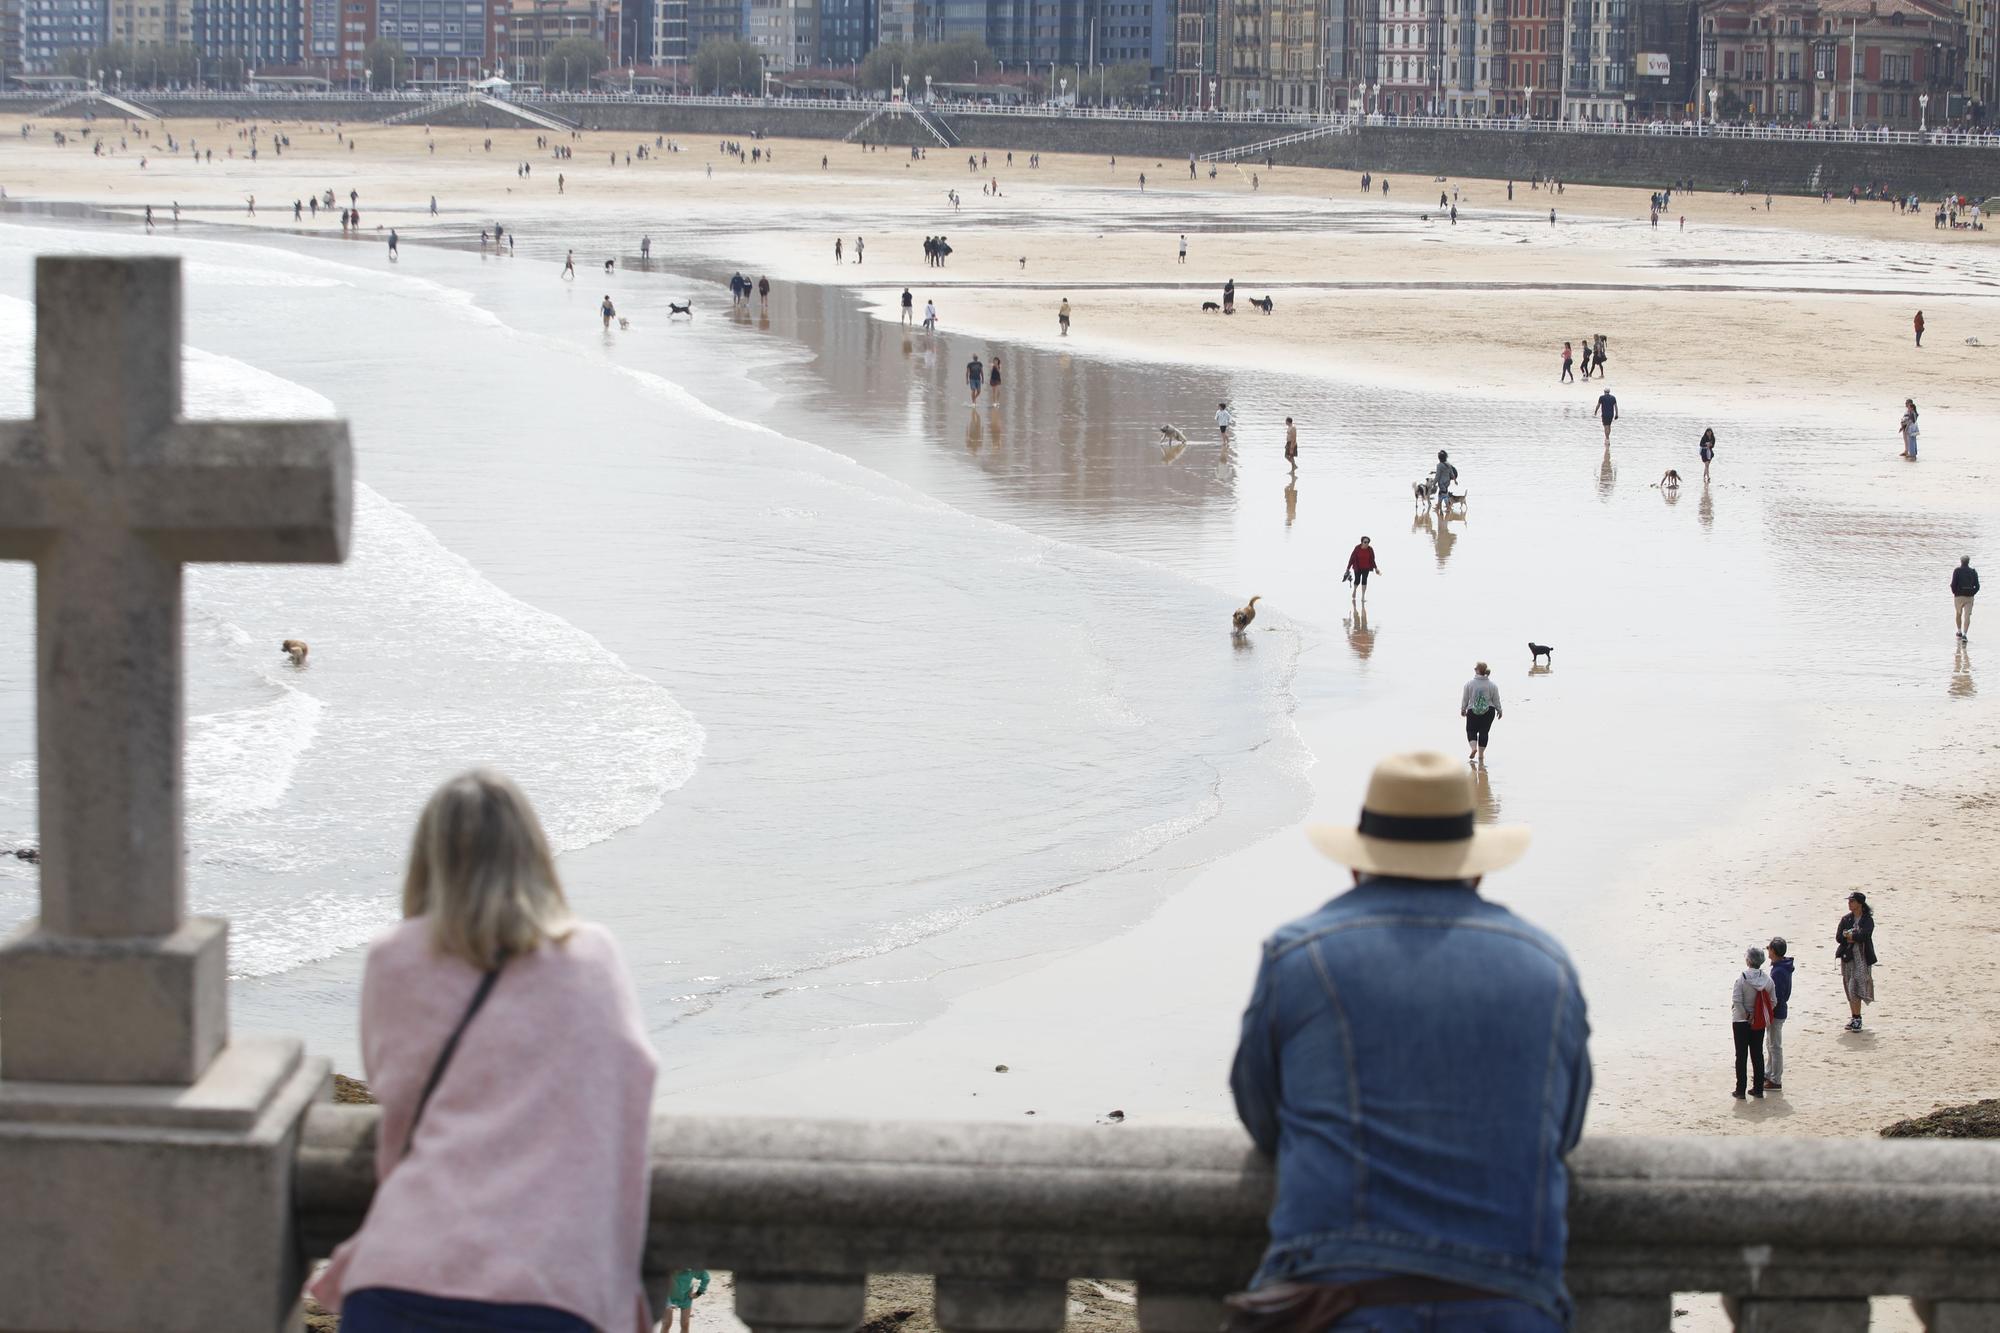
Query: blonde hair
x=480, y=869
x=1480, y=668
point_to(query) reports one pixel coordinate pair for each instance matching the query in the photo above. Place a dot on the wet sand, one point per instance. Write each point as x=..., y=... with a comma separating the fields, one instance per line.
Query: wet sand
x=1757, y=703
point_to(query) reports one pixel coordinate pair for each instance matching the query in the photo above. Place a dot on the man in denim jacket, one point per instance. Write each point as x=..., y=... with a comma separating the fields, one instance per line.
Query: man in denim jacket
x=1415, y=1058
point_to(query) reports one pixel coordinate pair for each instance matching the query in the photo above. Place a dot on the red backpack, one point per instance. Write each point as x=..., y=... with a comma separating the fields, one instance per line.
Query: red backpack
x=1763, y=1009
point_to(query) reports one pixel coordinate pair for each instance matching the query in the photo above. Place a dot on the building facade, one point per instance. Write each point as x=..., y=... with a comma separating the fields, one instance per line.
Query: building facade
x=786, y=32
x=1600, y=54
x=715, y=21
x=263, y=33
x=1134, y=32
x=846, y=31
x=1256, y=55
x=144, y=23
x=51, y=29
x=1891, y=63
x=535, y=26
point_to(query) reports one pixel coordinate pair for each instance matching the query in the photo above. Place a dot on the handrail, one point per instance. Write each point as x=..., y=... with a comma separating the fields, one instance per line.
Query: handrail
x=803, y=1211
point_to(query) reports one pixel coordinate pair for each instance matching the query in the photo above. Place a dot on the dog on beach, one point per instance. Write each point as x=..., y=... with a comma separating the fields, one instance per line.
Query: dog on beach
x=1172, y=435
x=1209, y=307
x=1671, y=481
x=1537, y=651
x=1263, y=305
x=1425, y=490
x=624, y=323
x=296, y=650
x=1450, y=502
x=1240, y=618
x=687, y=310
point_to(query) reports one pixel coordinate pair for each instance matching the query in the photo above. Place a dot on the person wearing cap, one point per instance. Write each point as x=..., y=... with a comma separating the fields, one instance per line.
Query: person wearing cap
x=1416, y=1060
x=1781, y=990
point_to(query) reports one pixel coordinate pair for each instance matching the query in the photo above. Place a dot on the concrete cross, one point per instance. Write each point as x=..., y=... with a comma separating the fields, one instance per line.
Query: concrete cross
x=110, y=492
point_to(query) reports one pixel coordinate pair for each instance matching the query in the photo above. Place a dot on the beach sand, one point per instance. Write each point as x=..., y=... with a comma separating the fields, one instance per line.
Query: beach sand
x=1798, y=317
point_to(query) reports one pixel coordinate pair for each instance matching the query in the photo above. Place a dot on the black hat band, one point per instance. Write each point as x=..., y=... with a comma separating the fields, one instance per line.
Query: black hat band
x=1416, y=828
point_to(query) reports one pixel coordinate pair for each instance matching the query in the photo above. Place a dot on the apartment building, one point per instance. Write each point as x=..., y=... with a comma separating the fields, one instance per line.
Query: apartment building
x=51, y=29
x=1412, y=64
x=846, y=31
x=1600, y=55
x=786, y=31
x=715, y=20
x=535, y=26
x=263, y=33
x=144, y=23
x=1890, y=63
x=1134, y=32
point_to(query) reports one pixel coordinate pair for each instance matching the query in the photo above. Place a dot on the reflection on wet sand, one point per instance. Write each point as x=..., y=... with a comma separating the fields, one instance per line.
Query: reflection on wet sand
x=1439, y=529
x=1485, y=805
x=1607, y=475
x=1707, y=510
x=1961, y=674
x=975, y=433
x=1291, y=503
x=1360, y=636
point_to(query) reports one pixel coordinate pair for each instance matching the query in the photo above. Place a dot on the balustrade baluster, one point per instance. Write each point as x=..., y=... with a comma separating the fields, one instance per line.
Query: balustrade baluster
x=1959, y=1316
x=976, y=1305
x=1166, y=1310
x=1754, y=1314
x=1625, y=1314
x=801, y=1302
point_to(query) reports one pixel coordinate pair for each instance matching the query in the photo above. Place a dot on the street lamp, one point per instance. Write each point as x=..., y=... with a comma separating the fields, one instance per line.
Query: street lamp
x=927, y=90
x=1211, y=94
x=1923, y=112
x=1531, y=103
x=1713, y=93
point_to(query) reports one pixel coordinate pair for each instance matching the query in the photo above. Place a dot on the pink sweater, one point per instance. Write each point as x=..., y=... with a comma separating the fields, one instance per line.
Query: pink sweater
x=527, y=1181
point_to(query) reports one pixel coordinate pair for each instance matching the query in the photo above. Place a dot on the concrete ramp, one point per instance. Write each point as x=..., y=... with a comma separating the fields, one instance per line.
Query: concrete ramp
x=125, y=107
x=1342, y=125
x=541, y=119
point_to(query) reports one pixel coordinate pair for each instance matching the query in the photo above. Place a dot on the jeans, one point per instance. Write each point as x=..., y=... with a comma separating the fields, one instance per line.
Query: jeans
x=1774, y=1051
x=1450, y=1317
x=388, y=1310
x=1749, y=1042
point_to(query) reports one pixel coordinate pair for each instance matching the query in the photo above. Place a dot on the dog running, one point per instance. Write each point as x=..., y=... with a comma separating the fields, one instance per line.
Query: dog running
x=1172, y=435
x=1537, y=651
x=296, y=650
x=687, y=310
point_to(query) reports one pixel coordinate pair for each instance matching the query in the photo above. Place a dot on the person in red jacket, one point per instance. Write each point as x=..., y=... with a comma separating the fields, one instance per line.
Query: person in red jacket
x=1360, y=565
x=1920, y=328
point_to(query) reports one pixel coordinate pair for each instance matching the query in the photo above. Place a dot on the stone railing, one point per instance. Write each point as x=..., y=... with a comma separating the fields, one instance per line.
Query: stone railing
x=1795, y=1234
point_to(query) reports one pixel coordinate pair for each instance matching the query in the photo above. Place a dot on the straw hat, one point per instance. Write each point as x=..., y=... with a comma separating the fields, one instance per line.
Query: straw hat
x=1417, y=822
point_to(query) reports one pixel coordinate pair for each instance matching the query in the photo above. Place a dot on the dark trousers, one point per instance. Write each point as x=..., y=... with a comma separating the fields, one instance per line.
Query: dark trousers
x=1750, y=1042
x=387, y=1310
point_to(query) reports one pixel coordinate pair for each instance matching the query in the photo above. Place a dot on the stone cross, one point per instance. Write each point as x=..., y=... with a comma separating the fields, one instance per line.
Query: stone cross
x=110, y=492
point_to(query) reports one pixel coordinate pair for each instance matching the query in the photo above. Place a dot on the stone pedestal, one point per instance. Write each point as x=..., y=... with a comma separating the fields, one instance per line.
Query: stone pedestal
x=147, y=1009
x=135, y=1209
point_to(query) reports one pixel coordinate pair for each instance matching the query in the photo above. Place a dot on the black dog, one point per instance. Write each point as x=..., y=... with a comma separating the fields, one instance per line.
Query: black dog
x=1263, y=305
x=1207, y=306
x=1536, y=651
x=687, y=310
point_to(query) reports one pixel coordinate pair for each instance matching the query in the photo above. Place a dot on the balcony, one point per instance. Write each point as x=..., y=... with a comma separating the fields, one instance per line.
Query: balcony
x=1795, y=1234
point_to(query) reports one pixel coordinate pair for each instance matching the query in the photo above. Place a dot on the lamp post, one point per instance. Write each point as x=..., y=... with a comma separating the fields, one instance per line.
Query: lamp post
x=1531, y=104
x=927, y=90
x=1923, y=112
x=1713, y=93
x=906, y=89
x=1211, y=94
x=1063, y=97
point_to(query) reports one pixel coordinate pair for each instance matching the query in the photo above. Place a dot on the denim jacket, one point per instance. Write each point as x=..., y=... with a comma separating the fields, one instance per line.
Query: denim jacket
x=1415, y=1059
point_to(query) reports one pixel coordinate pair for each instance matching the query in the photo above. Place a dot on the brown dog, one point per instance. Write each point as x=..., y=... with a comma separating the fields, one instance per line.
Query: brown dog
x=296, y=650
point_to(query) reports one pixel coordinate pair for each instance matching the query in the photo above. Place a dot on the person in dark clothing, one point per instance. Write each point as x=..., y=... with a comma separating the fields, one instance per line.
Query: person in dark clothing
x=1964, y=587
x=1855, y=936
x=1774, y=1035
x=1750, y=1004
x=1919, y=322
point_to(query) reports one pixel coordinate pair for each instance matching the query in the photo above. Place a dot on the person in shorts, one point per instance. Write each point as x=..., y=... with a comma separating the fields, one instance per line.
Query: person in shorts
x=1062, y=316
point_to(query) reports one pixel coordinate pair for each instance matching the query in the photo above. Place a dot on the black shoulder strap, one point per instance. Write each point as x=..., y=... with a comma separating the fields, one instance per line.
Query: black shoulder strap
x=445, y=1054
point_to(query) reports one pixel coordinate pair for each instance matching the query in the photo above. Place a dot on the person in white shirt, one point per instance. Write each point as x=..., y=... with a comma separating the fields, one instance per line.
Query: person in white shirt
x=1223, y=419
x=930, y=315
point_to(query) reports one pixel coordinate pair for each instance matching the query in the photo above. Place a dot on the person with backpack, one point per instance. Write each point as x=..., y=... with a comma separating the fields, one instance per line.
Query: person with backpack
x=1774, y=1035
x=1751, y=1004
x=1442, y=479
x=1479, y=705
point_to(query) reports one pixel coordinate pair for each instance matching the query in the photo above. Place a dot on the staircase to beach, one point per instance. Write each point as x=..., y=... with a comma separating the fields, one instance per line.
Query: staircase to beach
x=1344, y=125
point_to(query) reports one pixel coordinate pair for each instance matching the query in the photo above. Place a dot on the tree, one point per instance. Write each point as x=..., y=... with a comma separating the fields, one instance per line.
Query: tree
x=883, y=67
x=728, y=66
x=383, y=58
x=957, y=61
x=1127, y=83
x=573, y=62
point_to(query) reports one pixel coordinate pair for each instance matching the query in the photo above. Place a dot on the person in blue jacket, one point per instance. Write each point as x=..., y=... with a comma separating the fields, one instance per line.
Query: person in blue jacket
x=1774, y=1035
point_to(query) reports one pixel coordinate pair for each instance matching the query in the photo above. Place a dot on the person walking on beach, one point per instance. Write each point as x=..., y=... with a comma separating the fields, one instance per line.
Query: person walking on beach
x=1184, y=246
x=488, y=950
x=993, y=379
x=689, y=1285
x=836, y=249
x=1479, y=705
x=1062, y=316
x=1707, y=450
x=1442, y=479
x=1854, y=939
x=908, y=305
x=859, y=246
x=1568, y=376
x=609, y=311
x=1920, y=328
x=1607, y=412
x=1751, y=1003
x=392, y=245
x=1319, y=1078
x=569, y=267
x=763, y=291
x=1229, y=297
x=975, y=377
x=930, y=316
x=1291, y=444
x=1964, y=587
x=1361, y=564
x=1224, y=419
x=1781, y=992
x=1908, y=427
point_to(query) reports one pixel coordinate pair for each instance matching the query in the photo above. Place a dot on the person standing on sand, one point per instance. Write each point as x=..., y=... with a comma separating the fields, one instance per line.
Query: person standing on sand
x=1183, y=248
x=1751, y=1003
x=1964, y=587
x=1062, y=316
x=836, y=249
x=1321, y=1078
x=975, y=377
x=1707, y=451
x=930, y=316
x=1224, y=419
x=1568, y=375
x=908, y=305
x=1908, y=427
x=1361, y=564
x=683, y=1296
x=1552, y=217
x=1855, y=938
x=1919, y=321
x=1774, y=1034
x=1607, y=412
x=859, y=247
x=1479, y=705
x=1291, y=444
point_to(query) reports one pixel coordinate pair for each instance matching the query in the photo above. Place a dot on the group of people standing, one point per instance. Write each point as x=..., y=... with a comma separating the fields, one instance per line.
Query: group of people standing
x=1760, y=1001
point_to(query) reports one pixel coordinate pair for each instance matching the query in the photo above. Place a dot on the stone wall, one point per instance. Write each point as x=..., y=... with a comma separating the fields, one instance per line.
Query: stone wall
x=1607, y=159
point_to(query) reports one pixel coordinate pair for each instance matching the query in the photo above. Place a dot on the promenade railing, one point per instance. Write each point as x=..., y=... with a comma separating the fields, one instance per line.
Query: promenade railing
x=1796, y=1235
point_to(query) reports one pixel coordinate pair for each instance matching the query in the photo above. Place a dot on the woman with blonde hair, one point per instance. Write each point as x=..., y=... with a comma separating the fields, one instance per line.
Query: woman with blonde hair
x=1479, y=705
x=502, y=1038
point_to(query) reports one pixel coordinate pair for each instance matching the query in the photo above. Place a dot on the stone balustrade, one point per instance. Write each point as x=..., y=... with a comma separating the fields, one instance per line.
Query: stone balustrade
x=1795, y=1234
